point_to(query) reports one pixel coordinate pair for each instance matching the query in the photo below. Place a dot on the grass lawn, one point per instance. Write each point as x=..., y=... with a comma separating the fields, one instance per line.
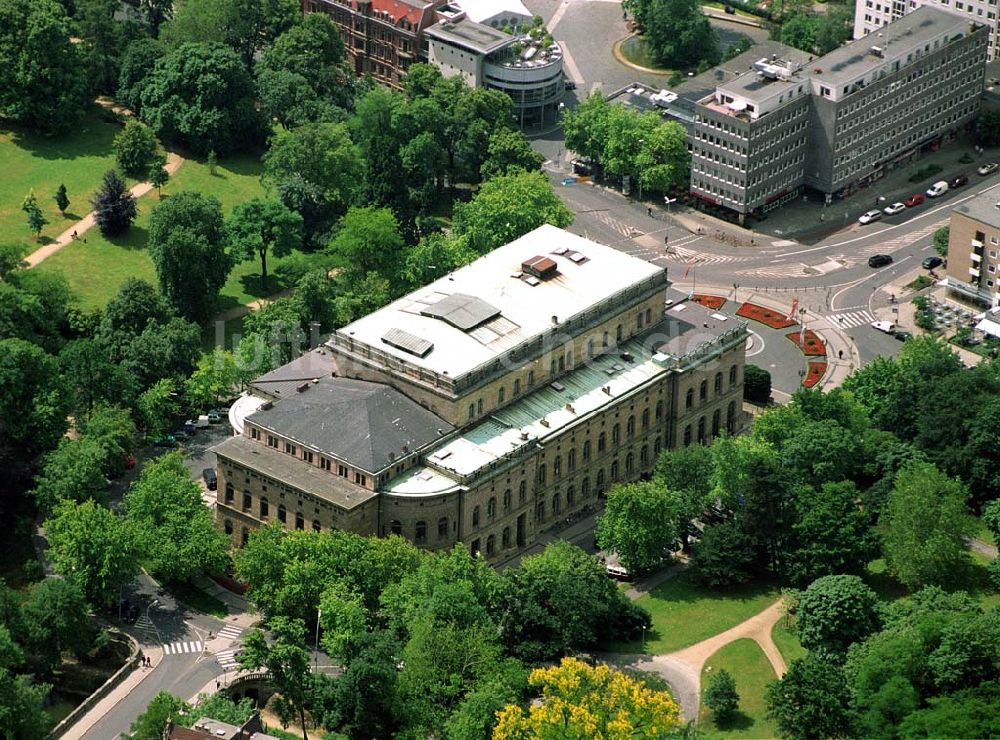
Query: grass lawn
x=684, y=612
x=77, y=159
x=197, y=599
x=982, y=533
x=97, y=267
x=749, y=666
x=783, y=634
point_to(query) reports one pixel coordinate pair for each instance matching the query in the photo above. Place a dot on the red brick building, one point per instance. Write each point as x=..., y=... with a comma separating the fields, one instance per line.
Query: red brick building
x=382, y=37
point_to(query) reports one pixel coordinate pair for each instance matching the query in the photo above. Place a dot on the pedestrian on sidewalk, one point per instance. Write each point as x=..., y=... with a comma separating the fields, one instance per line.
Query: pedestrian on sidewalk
x=649, y=211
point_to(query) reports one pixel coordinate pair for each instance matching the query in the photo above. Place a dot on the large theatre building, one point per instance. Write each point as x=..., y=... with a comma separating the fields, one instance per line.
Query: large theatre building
x=488, y=406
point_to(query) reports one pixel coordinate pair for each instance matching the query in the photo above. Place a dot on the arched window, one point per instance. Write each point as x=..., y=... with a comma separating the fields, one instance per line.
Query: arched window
x=614, y=470
x=703, y=391
x=732, y=375
x=701, y=430
x=540, y=511
x=657, y=446
x=562, y=363
x=616, y=434
x=556, y=504
x=227, y=526
x=522, y=492
x=490, y=545
x=282, y=514
x=644, y=456
x=645, y=419
x=472, y=411
x=442, y=527
x=586, y=450
x=629, y=463
x=531, y=378
x=619, y=335
x=244, y=536
x=604, y=340
x=570, y=497
x=541, y=474
x=638, y=320
x=475, y=517
x=506, y=500
x=649, y=316
x=569, y=360
x=505, y=538
x=585, y=488
x=517, y=386
x=491, y=507
x=571, y=460
x=557, y=466
x=247, y=501
x=687, y=435
x=689, y=398
x=300, y=521
x=718, y=383
x=316, y=525
x=600, y=482
x=590, y=348
x=630, y=426
x=731, y=417
x=479, y=406
x=420, y=532
x=230, y=493
x=500, y=395
x=396, y=527
x=659, y=410
x=474, y=549
x=264, y=508
x=552, y=366
x=601, y=443
x=716, y=422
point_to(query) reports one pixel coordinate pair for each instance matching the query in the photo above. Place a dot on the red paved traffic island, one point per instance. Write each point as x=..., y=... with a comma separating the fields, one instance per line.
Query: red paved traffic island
x=713, y=302
x=767, y=316
x=815, y=374
x=813, y=345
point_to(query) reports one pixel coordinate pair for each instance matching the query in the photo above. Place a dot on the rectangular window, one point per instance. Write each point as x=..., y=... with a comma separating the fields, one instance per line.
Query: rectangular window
x=324, y=463
x=272, y=441
x=360, y=479
x=307, y=456
x=289, y=448
x=247, y=502
x=342, y=471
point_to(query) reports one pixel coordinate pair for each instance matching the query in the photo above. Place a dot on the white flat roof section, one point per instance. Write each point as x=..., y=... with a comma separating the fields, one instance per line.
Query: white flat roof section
x=482, y=11
x=485, y=309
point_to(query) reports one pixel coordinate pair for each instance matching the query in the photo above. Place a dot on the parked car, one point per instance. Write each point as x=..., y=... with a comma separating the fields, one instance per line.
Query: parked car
x=879, y=260
x=914, y=200
x=570, y=84
x=730, y=10
x=200, y=423
x=886, y=326
x=867, y=218
x=211, y=479
x=167, y=440
x=902, y=335
x=894, y=209
x=932, y=262
x=989, y=168
x=180, y=434
x=957, y=182
x=213, y=417
x=938, y=188
x=617, y=572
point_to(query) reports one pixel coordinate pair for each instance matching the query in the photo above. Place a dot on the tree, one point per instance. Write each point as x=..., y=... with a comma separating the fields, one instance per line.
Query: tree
x=220, y=708
x=169, y=350
x=135, y=147
x=724, y=555
x=57, y=620
x=137, y=64
x=679, y=34
x=216, y=378
x=811, y=700
x=434, y=256
x=33, y=403
x=62, y=199
x=508, y=150
x=259, y=226
x=173, y=526
x=187, y=245
x=157, y=407
x=202, y=97
x=583, y=701
x=344, y=620
x=95, y=548
x=158, y=175
x=114, y=206
x=507, y=207
x=23, y=716
x=286, y=661
x=11, y=259
x=721, y=696
x=968, y=713
x=43, y=86
x=272, y=336
x=36, y=219
x=586, y=126
x=987, y=128
x=113, y=429
x=833, y=29
x=834, y=612
x=756, y=384
x=925, y=526
x=476, y=715
x=161, y=711
x=663, y=160
x=640, y=522
x=74, y=471
x=798, y=30
x=368, y=240
x=129, y=313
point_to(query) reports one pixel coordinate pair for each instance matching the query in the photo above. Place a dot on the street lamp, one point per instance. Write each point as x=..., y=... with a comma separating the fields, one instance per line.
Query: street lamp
x=643, y=638
x=639, y=177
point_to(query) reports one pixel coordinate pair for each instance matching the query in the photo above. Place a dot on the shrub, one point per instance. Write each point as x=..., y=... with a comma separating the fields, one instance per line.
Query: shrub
x=721, y=696
x=756, y=384
x=135, y=147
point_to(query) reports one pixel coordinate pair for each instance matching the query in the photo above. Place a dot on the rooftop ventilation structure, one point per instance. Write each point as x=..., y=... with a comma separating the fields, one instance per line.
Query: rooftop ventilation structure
x=464, y=312
x=540, y=267
x=407, y=342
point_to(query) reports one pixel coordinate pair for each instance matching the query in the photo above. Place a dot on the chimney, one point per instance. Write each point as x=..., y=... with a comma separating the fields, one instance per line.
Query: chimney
x=524, y=436
x=569, y=407
x=555, y=321
x=544, y=422
x=606, y=389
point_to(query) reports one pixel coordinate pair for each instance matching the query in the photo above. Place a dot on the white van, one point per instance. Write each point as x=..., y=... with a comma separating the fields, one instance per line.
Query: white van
x=938, y=188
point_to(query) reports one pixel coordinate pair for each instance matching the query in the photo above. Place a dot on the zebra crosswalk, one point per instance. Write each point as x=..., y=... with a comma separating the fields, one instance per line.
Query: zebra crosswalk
x=679, y=253
x=903, y=240
x=227, y=658
x=230, y=632
x=621, y=227
x=183, y=646
x=146, y=629
x=851, y=319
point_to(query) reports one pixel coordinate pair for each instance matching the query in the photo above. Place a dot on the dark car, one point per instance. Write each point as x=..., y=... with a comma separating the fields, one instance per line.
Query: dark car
x=914, y=200
x=931, y=262
x=879, y=260
x=958, y=181
x=570, y=84
x=211, y=479
x=730, y=10
x=902, y=336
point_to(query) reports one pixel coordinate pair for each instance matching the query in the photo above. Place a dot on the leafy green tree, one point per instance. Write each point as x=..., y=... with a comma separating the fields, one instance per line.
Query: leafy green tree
x=215, y=379
x=679, y=34
x=169, y=350
x=129, y=312
x=157, y=407
x=476, y=715
x=111, y=427
x=689, y=471
x=640, y=522
x=24, y=716
x=152, y=723
x=834, y=612
x=36, y=219
x=991, y=518
x=201, y=96
x=508, y=207
x=114, y=206
x=360, y=299
x=11, y=258
x=135, y=147
x=57, y=620
x=158, y=175
x=33, y=403
x=62, y=199
x=834, y=28
x=663, y=159
x=434, y=256
x=91, y=376
x=44, y=84
x=380, y=142
x=724, y=555
x=925, y=526
x=177, y=537
x=103, y=39
x=756, y=384
x=286, y=661
x=987, y=128
x=220, y=708
x=95, y=548
x=74, y=471
x=272, y=336
x=798, y=30
x=259, y=226
x=368, y=240
x=508, y=150
x=137, y=63
x=187, y=245
x=721, y=696
x=811, y=700
x=586, y=126
x=344, y=620
x=968, y=713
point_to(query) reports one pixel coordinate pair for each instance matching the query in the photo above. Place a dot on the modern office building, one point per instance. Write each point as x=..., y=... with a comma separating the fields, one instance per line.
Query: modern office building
x=523, y=68
x=872, y=15
x=840, y=121
x=488, y=406
x=973, y=249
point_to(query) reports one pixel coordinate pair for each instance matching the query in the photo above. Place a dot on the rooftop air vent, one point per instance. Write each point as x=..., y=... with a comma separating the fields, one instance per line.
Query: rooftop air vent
x=301, y=387
x=407, y=342
x=877, y=51
x=540, y=267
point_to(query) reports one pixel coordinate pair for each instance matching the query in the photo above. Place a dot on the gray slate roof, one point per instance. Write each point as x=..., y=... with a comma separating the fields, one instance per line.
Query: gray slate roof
x=282, y=381
x=365, y=424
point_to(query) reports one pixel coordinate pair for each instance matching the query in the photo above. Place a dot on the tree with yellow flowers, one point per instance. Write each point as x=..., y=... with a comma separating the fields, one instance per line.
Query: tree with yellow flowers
x=580, y=702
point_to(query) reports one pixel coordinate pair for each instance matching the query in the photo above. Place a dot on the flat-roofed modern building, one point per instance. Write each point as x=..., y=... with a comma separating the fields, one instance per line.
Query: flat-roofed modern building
x=974, y=250
x=489, y=405
x=840, y=121
x=870, y=16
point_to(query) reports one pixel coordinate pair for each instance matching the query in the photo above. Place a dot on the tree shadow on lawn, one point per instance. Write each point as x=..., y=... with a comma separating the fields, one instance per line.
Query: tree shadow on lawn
x=737, y=721
x=91, y=137
x=135, y=238
x=252, y=286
